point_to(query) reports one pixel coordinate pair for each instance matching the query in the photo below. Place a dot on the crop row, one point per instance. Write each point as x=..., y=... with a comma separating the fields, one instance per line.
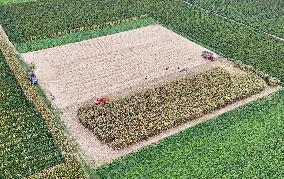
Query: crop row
x=142, y=115
x=23, y=158
x=265, y=15
x=49, y=18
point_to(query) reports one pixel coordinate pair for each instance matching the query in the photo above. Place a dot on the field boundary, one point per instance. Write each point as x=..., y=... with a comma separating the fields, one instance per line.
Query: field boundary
x=233, y=20
x=83, y=35
x=55, y=127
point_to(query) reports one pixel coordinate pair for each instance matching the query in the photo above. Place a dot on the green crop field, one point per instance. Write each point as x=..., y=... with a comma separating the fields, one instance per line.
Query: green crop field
x=46, y=18
x=263, y=15
x=13, y=1
x=26, y=147
x=243, y=143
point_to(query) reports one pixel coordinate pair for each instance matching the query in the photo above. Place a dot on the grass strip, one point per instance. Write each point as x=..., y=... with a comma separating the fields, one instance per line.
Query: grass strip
x=83, y=35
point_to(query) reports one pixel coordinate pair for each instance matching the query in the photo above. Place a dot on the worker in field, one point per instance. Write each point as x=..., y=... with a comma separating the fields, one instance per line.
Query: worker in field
x=33, y=78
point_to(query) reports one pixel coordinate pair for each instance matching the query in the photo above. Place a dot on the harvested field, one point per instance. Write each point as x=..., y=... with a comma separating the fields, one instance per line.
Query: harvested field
x=78, y=72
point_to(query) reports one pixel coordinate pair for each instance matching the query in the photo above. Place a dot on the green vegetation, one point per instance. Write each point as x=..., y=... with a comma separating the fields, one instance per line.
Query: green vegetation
x=144, y=114
x=83, y=35
x=264, y=15
x=45, y=19
x=71, y=165
x=13, y=1
x=232, y=40
x=27, y=147
x=245, y=143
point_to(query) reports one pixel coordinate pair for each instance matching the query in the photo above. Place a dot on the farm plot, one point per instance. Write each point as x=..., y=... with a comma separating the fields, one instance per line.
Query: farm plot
x=142, y=115
x=5, y=2
x=118, y=66
x=245, y=143
x=101, y=153
x=265, y=15
x=115, y=64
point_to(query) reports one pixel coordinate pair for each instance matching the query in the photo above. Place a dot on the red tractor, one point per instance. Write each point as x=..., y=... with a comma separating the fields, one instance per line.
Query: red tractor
x=208, y=55
x=100, y=101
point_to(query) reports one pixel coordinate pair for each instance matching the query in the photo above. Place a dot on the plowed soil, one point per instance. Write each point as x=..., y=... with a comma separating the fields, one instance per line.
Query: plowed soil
x=78, y=72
